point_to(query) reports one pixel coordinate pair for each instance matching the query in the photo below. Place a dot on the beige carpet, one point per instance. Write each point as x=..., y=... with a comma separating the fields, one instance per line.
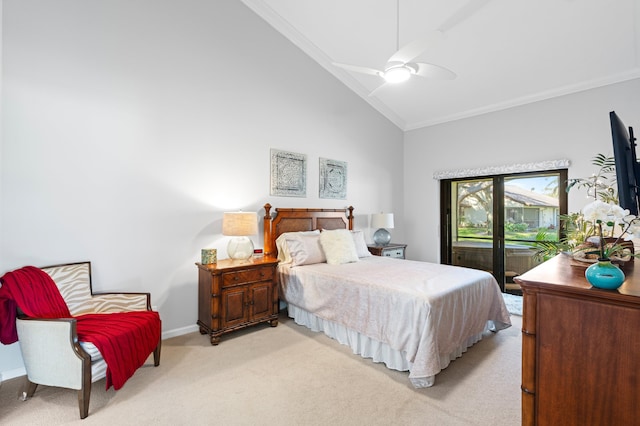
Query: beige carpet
x=288, y=375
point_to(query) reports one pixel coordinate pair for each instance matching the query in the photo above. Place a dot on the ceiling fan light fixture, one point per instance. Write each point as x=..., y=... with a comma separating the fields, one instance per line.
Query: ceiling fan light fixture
x=397, y=74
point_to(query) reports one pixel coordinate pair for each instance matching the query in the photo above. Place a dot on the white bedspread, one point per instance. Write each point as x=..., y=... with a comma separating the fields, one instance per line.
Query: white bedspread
x=426, y=311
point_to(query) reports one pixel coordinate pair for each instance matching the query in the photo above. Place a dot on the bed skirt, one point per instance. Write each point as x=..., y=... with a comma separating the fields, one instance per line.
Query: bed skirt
x=377, y=351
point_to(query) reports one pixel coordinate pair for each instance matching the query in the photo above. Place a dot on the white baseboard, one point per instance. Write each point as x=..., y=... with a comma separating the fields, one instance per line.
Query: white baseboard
x=179, y=331
x=12, y=374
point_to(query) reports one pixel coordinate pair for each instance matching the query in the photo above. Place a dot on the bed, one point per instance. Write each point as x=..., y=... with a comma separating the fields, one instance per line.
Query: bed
x=412, y=316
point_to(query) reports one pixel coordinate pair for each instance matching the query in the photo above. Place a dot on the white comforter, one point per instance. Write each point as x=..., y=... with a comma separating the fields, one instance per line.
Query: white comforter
x=424, y=310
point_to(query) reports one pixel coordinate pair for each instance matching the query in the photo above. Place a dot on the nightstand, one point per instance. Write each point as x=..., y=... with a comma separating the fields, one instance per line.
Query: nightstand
x=235, y=294
x=390, y=250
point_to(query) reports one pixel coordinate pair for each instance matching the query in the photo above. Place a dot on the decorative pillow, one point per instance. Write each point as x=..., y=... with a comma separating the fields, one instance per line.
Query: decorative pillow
x=305, y=250
x=281, y=244
x=361, y=245
x=338, y=246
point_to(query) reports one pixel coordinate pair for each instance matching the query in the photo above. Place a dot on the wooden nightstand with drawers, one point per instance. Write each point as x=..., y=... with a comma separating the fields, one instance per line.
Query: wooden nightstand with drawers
x=390, y=250
x=235, y=294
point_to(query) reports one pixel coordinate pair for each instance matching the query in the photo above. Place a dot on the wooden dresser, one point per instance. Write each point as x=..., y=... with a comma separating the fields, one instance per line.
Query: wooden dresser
x=234, y=294
x=580, y=347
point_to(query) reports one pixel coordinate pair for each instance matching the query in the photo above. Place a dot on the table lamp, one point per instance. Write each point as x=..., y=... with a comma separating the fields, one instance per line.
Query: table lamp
x=382, y=237
x=240, y=225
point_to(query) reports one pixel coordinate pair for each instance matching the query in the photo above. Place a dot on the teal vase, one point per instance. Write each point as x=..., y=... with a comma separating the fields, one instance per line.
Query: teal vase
x=604, y=274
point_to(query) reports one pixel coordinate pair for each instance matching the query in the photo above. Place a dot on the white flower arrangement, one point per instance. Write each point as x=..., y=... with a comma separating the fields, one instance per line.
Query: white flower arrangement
x=606, y=217
x=590, y=233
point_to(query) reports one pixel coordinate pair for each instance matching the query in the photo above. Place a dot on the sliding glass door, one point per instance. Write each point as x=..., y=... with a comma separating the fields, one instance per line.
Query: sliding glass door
x=472, y=224
x=494, y=223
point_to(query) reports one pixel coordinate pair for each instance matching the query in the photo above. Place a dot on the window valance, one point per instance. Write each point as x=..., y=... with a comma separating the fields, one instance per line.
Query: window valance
x=502, y=170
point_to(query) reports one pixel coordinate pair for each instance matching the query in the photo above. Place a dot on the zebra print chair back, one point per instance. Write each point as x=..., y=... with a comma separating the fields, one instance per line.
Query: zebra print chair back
x=74, y=282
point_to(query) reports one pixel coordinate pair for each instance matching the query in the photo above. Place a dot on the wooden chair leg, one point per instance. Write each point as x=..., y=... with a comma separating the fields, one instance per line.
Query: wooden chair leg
x=30, y=390
x=84, y=395
x=156, y=353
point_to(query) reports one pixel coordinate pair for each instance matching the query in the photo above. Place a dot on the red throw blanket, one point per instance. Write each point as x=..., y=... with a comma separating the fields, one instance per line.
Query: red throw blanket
x=35, y=293
x=125, y=339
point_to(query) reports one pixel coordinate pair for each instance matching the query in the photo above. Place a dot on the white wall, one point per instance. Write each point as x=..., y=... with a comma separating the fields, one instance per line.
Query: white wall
x=10, y=358
x=130, y=127
x=574, y=127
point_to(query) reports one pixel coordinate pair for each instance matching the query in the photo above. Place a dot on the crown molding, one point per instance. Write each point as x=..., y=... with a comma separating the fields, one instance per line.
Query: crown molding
x=537, y=97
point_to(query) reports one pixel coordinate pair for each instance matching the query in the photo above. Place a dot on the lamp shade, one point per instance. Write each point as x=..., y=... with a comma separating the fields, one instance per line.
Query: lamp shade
x=382, y=220
x=240, y=224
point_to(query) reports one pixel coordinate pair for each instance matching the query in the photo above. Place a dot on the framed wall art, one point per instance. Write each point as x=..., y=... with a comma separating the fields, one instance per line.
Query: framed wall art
x=333, y=179
x=288, y=174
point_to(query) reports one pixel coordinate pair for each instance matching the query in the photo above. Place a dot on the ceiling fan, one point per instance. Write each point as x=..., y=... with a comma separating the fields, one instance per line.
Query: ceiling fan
x=400, y=66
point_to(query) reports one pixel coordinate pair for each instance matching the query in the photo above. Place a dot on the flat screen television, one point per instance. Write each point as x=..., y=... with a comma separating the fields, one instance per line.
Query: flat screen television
x=627, y=166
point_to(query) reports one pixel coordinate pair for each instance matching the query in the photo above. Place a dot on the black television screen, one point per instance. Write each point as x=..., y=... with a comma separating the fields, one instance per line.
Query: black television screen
x=627, y=168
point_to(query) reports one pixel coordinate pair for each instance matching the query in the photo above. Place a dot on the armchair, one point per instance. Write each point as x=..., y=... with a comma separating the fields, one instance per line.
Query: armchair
x=64, y=352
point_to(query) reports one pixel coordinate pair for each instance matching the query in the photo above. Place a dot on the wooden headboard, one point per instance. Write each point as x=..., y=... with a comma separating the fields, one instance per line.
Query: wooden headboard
x=292, y=220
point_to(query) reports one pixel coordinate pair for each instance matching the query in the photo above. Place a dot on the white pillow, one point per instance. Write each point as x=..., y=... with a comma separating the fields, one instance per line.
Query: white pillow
x=305, y=250
x=361, y=245
x=281, y=244
x=338, y=246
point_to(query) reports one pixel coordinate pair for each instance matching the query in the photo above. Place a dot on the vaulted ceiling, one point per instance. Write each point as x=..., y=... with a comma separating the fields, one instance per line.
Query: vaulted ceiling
x=506, y=53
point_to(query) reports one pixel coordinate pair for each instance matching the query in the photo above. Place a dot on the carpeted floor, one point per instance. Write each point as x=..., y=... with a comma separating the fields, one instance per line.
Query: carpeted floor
x=514, y=303
x=288, y=375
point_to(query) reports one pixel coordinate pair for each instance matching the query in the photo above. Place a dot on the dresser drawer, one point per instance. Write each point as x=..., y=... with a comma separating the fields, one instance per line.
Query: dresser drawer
x=247, y=276
x=391, y=250
x=395, y=252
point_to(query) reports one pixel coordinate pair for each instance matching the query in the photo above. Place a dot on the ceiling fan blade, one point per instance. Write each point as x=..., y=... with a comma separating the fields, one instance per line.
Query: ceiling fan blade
x=434, y=71
x=359, y=69
x=466, y=11
x=413, y=49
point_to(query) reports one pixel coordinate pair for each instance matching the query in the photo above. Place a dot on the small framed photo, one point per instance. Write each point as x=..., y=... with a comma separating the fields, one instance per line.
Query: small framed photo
x=288, y=174
x=333, y=179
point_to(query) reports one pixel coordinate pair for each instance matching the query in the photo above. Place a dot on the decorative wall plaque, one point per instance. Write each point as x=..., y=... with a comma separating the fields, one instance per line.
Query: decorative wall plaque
x=333, y=179
x=288, y=174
